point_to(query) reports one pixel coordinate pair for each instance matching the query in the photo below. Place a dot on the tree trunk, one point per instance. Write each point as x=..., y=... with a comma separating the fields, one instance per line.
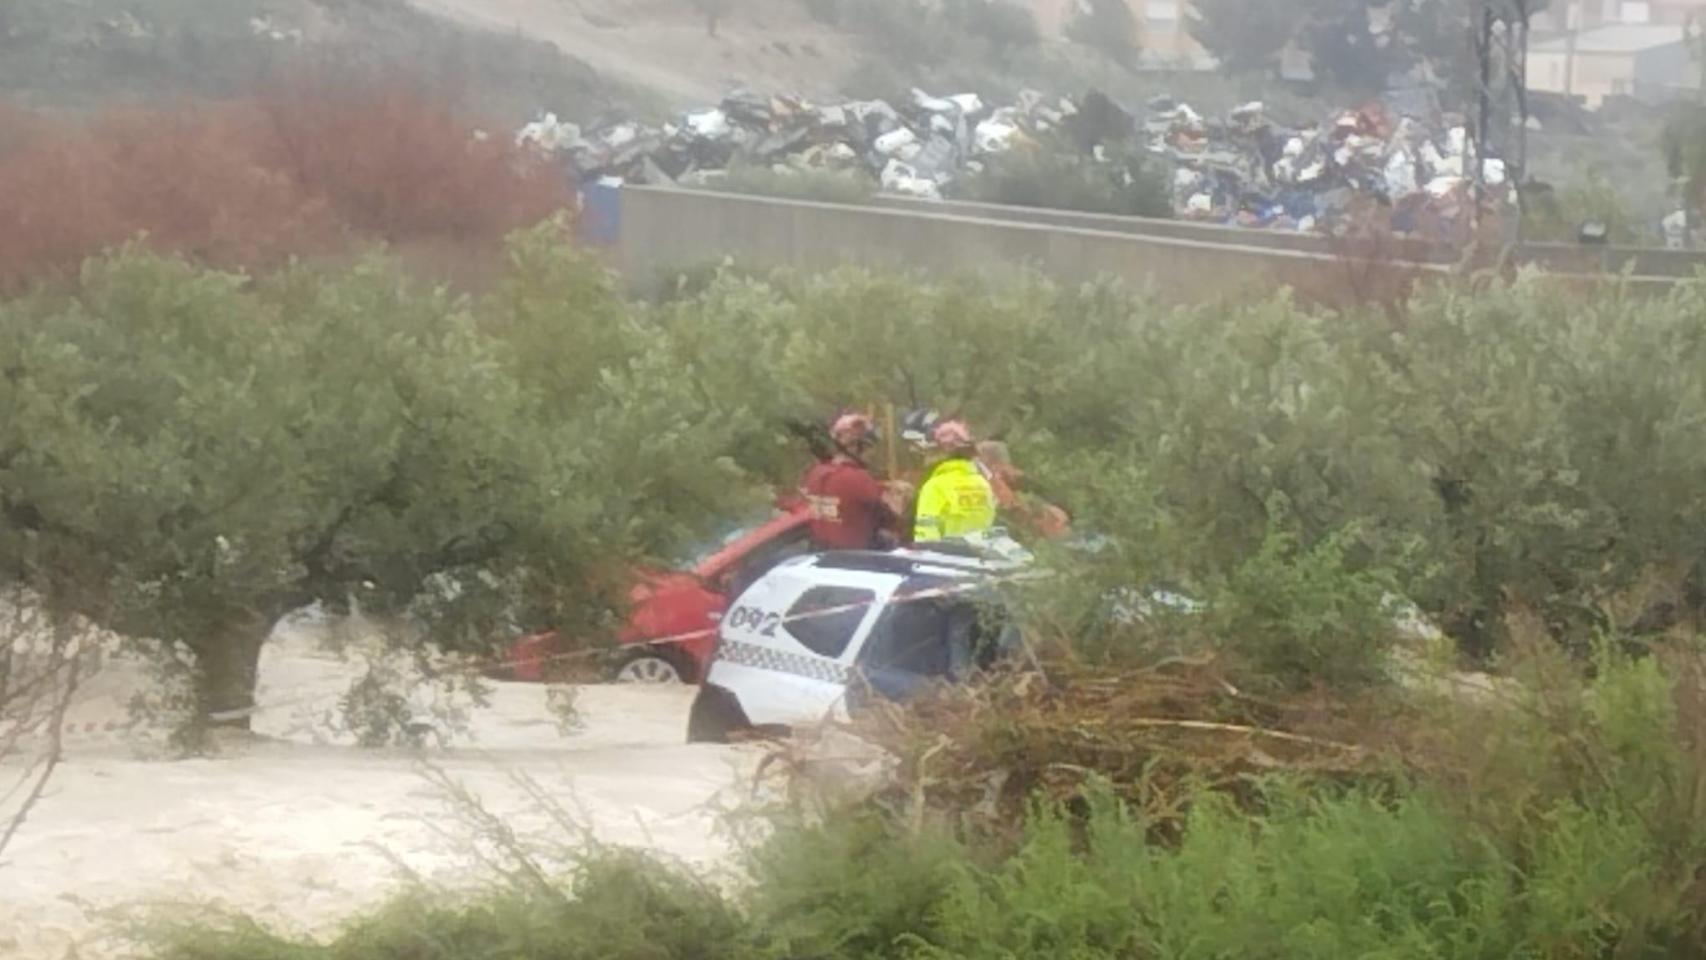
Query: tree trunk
x=226, y=672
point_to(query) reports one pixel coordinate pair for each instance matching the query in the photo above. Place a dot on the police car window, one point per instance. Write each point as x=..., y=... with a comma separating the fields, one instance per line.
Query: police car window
x=824, y=619
x=911, y=637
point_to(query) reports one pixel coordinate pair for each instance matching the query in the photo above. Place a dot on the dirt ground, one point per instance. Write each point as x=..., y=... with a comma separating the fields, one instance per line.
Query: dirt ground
x=302, y=829
x=663, y=45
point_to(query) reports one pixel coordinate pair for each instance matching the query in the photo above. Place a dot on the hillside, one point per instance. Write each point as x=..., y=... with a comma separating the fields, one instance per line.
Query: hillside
x=665, y=45
x=79, y=53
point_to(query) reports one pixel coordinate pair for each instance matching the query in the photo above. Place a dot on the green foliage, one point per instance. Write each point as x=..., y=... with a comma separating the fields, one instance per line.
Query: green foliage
x=1557, y=432
x=1521, y=447
x=190, y=455
x=1557, y=216
x=1301, y=617
x=1065, y=180
x=1683, y=141
x=614, y=905
x=853, y=889
x=503, y=461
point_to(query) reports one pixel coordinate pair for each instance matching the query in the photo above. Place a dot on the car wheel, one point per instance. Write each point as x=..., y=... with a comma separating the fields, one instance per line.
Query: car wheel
x=715, y=715
x=648, y=667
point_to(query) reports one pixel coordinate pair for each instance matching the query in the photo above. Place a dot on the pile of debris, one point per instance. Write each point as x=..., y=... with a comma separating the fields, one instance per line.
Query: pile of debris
x=1155, y=735
x=1246, y=169
x=917, y=149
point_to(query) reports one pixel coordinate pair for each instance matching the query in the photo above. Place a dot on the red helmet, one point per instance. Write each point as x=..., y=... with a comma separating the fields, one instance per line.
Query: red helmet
x=952, y=435
x=853, y=430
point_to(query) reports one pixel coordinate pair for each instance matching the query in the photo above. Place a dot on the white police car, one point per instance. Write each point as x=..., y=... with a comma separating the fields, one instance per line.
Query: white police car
x=817, y=634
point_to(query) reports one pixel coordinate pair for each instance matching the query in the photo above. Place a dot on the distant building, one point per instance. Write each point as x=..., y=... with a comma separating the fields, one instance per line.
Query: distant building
x=1643, y=60
x=1561, y=15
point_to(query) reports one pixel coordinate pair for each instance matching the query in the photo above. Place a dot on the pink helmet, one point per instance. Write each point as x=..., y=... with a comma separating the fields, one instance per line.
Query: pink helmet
x=952, y=435
x=853, y=430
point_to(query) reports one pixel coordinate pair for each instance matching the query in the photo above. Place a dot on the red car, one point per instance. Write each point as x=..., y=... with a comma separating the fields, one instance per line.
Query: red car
x=672, y=620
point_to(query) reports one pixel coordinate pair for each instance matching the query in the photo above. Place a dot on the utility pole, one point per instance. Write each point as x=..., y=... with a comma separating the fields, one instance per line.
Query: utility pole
x=1499, y=128
x=1572, y=27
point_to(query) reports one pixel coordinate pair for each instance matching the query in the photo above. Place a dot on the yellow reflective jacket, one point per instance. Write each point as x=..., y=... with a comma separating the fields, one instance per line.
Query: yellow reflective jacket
x=955, y=501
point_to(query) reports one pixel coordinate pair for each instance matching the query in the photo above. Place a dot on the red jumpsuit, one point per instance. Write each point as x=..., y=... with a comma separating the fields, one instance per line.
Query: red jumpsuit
x=846, y=504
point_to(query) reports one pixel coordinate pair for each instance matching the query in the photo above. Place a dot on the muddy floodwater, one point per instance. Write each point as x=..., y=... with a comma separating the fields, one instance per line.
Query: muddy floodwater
x=302, y=829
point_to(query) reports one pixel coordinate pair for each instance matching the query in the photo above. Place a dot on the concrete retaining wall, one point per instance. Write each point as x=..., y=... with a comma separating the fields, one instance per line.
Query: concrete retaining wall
x=667, y=230
x=1412, y=250
x=1557, y=257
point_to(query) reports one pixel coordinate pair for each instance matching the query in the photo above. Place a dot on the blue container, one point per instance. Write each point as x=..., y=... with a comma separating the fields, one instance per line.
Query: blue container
x=601, y=212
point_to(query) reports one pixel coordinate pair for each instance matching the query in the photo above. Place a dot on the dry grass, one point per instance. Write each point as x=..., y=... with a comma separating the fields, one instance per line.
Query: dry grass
x=303, y=171
x=1154, y=734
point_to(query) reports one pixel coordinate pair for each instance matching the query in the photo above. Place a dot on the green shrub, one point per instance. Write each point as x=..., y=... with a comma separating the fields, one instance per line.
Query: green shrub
x=1299, y=617
x=1557, y=216
x=614, y=906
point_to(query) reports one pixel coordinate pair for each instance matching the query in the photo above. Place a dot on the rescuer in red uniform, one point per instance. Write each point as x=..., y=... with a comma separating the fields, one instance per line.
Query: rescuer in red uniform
x=848, y=512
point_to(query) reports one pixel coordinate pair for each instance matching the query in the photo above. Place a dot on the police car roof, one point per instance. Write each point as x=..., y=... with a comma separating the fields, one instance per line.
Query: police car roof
x=904, y=564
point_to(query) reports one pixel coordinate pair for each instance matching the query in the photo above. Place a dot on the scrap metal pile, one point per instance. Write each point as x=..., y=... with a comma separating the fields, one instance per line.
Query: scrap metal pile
x=1245, y=169
x=917, y=149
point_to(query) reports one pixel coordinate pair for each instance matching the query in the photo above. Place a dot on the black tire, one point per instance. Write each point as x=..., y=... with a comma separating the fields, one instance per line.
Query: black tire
x=714, y=716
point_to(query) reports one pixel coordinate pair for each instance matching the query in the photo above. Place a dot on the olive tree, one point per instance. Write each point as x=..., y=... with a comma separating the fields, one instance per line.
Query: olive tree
x=190, y=455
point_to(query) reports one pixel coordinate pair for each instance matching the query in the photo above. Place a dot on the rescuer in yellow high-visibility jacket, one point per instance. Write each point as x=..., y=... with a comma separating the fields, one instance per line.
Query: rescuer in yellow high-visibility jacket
x=956, y=499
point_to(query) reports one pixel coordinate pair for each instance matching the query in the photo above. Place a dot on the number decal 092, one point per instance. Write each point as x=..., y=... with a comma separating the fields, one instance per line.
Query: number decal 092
x=763, y=623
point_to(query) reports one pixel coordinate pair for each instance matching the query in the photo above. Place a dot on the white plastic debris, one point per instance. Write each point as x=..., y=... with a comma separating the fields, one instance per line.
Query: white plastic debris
x=967, y=102
x=1493, y=171
x=902, y=179
x=865, y=109
x=549, y=134
x=1200, y=203
x=710, y=124
x=1443, y=186
x=1249, y=113
x=897, y=143
x=1401, y=174
x=1675, y=226
x=994, y=136
x=924, y=101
